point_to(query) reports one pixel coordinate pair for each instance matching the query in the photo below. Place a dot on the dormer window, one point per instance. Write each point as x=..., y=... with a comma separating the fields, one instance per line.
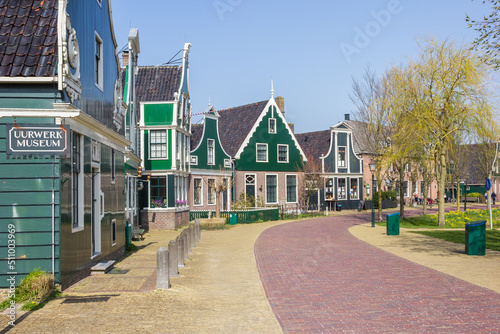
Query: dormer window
x=341, y=157
x=272, y=125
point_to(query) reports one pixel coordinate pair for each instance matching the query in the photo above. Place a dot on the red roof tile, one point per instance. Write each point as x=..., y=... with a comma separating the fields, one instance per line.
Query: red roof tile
x=235, y=124
x=28, y=37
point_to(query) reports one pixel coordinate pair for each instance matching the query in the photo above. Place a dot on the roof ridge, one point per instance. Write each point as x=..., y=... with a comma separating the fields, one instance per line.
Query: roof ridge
x=306, y=133
x=244, y=105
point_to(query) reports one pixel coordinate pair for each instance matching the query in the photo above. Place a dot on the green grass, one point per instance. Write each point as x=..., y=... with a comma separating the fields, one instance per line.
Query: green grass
x=453, y=219
x=492, y=237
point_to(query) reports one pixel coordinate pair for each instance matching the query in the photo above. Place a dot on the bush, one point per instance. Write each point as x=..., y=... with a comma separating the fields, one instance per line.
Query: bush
x=386, y=195
x=475, y=195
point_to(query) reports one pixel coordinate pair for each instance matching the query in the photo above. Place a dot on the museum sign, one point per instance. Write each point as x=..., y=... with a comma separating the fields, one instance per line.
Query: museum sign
x=42, y=139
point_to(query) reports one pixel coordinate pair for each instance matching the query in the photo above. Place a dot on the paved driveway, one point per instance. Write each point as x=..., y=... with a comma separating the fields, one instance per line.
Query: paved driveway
x=321, y=279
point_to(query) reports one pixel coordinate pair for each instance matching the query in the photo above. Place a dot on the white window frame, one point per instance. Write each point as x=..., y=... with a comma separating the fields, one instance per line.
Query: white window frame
x=214, y=191
x=272, y=130
x=201, y=191
x=338, y=189
x=257, y=152
x=81, y=186
x=296, y=188
x=276, y=175
x=99, y=2
x=194, y=160
x=113, y=226
x=166, y=144
x=344, y=162
x=99, y=76
x=227, y=163
x=287, y=153
x=357, y=187
x=211, y=163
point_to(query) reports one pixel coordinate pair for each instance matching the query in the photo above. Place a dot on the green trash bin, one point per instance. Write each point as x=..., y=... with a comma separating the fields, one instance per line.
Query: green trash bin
x=128, y=234
x=475, y=238
x=393, y=224
x=233, y=219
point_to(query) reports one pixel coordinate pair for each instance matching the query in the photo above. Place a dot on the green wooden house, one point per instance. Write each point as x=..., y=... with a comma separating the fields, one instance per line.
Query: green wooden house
x=268, y=160
x=165, y=128
x=334, y=151
x=211, y=166
x=63, y=139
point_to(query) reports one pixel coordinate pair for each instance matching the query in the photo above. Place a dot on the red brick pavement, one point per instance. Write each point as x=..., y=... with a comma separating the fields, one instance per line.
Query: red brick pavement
x=321, y=279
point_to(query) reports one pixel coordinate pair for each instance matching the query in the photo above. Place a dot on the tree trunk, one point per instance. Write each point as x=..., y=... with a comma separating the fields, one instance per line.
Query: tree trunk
x=379, y=187
x=458, y=195
x=401, y=193
x=425, y=191
x=217, y=204
x=441, y=184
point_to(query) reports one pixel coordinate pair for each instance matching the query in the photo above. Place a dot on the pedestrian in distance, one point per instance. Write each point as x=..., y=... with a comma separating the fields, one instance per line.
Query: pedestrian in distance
x=493, y=197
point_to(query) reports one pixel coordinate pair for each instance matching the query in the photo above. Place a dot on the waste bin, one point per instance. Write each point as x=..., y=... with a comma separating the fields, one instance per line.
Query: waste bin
x=475, y=238
x=339, y=207
x=393, y=224
x=233, y=219
x=128, y=234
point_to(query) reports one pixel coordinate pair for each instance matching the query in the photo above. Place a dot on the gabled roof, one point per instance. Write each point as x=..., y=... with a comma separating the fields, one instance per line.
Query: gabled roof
x=196, y=134
x=157, y=83
x=28, y=38
x=359, y=138
x=314, y=144
x=236, y=123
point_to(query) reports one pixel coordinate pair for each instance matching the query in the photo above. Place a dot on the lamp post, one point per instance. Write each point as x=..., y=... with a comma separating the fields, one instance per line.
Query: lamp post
x=373, y=168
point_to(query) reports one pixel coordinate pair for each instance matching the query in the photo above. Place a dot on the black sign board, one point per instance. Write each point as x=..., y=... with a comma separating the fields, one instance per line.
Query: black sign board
x=40, y=139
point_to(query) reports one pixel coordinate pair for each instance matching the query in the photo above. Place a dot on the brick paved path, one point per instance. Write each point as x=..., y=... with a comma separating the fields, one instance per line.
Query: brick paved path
x=321, y=279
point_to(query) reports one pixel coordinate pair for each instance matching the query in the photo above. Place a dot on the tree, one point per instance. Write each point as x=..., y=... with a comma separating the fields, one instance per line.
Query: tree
x=489, y=33
x=440, y=95
x=311, y=181
x=369, y=96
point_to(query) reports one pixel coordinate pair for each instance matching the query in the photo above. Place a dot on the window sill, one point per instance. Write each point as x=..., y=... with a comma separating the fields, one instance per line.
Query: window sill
x=78, y=229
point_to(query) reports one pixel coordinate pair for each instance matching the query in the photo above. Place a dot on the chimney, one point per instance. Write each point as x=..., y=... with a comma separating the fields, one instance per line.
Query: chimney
x=125, y=55
x=280, y=101
x=347, y=117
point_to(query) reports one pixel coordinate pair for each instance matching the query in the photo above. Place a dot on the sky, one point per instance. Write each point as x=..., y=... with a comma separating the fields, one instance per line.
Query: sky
x=310, y=50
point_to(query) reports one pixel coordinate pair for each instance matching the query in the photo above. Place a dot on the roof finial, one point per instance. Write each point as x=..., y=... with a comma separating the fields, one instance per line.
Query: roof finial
x=272, y=89
x=209, y=103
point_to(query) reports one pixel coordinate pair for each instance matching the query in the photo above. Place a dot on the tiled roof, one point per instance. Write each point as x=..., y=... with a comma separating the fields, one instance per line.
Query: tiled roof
x=196, y=133
x=28, y=38
x=235, y=124
x=157, y=83
x=359, y=137
x=314, y=144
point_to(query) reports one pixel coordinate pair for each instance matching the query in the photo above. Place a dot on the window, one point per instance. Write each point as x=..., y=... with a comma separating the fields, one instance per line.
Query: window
x=113, y=166
x=261, y=152
x=211, y=191
x=272, y=125
x=158, y=191
x=407, y=168
x=405, y=189
x=422, y=190
x=157, y=144
x=198, y=194
x=194, y=160
x=354, y=189
x=210, y=152
x=282, y=153
x=341, y=190
x=98, y=61
x=77, y=181
x=250, y=182
x=271, y=185
x=291, y=188
x=341, y=157
x=227, y=163
x=113, y=232
x=329, y=189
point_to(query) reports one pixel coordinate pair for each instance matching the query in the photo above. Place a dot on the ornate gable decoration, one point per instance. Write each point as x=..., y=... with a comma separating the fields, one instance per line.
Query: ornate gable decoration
x=69, y=67
x=119, y=111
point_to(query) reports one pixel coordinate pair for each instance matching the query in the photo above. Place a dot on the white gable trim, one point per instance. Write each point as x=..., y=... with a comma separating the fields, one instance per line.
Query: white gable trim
x=279, y=114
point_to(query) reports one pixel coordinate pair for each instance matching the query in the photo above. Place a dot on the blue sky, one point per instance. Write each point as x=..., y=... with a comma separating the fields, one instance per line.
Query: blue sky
x=310, y=49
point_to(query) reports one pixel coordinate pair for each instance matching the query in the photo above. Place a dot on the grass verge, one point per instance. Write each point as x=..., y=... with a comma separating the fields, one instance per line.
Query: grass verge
x=492, y=237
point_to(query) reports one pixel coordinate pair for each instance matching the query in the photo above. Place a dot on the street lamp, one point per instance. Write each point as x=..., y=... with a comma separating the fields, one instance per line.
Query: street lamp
x=373, y=168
